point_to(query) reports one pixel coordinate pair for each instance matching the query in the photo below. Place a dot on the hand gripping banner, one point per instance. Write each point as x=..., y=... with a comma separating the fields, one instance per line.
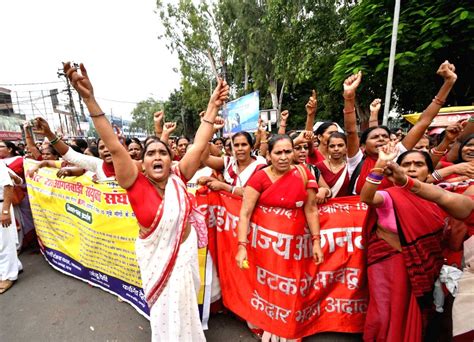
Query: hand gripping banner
x=283, y=291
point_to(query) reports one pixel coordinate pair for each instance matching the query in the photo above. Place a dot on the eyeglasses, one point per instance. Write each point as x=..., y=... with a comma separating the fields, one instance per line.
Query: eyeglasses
x=301, y=147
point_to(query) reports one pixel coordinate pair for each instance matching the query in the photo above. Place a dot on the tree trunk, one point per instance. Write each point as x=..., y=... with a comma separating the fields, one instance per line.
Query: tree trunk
x=282, y=91
x=273, y=89
x=246, y=76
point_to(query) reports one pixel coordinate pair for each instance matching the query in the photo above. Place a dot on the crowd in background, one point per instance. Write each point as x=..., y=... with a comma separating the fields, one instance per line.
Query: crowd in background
x=419, y=189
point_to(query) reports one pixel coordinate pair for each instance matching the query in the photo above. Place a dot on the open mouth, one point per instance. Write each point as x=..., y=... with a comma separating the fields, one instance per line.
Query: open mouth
x=158, y=167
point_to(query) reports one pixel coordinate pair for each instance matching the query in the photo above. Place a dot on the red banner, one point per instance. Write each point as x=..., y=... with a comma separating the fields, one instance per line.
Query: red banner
x=283, y=291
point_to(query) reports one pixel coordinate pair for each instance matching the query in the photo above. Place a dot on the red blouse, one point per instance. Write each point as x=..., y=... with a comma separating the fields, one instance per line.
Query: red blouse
x=284, y=192
x=145, y=199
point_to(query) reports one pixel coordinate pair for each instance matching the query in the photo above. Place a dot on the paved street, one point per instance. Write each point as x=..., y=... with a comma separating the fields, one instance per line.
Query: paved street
x=45, y=305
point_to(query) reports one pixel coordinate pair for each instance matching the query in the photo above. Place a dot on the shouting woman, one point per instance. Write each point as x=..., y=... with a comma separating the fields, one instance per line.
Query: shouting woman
x=167, y=244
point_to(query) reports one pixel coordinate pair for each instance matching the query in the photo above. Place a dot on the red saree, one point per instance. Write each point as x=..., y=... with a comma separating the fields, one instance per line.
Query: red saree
x=401, y=283
x=287, y=192
x=332, y=178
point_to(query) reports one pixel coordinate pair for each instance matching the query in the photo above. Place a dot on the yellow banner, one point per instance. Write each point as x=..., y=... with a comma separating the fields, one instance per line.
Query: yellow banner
x=88, y=230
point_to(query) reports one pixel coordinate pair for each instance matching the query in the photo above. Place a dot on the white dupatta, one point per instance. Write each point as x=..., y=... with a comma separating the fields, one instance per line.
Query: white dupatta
x=157, y=252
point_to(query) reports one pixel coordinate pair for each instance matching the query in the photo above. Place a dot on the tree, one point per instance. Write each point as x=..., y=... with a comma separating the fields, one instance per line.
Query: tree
x=142, y=115
x=429, y=32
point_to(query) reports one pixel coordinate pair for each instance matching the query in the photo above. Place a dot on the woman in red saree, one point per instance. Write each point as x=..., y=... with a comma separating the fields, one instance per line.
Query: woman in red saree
x=404, y=251
x=460, y=207
x=280, y=185
x=167, y=246
x=334, y=169
x=374, y=138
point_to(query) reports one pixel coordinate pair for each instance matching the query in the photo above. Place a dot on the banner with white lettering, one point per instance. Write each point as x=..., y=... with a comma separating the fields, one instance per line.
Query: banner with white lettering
x=284, y=291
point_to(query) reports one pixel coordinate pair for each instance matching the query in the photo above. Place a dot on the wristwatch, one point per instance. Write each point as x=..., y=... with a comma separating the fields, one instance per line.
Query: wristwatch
x=6, y=212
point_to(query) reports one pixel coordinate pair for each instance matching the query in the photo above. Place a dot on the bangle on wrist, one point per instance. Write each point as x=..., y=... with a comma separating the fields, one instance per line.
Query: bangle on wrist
x=315, y=237
x=207, y=121
x=96, y=115
x=6, y=212
x=372, y=181
x=282, y=125
x=435, y=152
x=350, y=111
x=377, y=169
x=242, y=243
x=329, y=194
x=348, y=97
x=409, y=183
x=438, y=101
x=263, y=141
x=437, y=176
x=54, y=141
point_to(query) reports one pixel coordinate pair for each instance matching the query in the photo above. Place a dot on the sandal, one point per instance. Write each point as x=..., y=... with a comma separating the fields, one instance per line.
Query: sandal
x=5, y=285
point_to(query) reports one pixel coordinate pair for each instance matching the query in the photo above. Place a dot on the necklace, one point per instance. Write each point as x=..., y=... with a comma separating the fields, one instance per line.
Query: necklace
x=330, y=166
x=156, y=184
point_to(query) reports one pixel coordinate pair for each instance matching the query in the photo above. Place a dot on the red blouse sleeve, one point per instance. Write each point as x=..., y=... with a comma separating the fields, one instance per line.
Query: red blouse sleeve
x=259, y=181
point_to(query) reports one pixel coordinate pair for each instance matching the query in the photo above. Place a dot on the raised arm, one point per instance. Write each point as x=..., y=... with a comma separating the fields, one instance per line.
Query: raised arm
x=283, y=122
x=447, y=71
x=457, y=205
x=42, y=127
x=374, y=113
x=167, y=131
x=125, y=170
x=350, y=120
x=157, y=120
x=191, y=160
x=311, y=108
x=30, y=143
x=451, y=134
x=369, y=193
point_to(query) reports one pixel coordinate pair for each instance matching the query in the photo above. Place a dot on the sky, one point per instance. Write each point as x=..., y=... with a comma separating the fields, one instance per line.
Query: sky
x=116, y=40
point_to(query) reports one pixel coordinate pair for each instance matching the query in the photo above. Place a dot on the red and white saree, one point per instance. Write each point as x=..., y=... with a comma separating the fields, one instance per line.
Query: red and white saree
x=169, y=268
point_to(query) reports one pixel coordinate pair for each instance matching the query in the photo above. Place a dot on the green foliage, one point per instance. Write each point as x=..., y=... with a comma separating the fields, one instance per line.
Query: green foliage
x=429, y=32
x=142, y=115
x=180, y=110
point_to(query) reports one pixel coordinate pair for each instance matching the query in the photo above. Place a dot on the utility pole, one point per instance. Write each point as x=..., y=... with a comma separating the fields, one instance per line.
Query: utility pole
x=391, y=62
x=77, y=129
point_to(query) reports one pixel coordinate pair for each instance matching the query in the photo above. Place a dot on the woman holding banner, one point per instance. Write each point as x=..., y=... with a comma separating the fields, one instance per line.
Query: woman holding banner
x=281, y=185
x=404, y=252
x=167, y=246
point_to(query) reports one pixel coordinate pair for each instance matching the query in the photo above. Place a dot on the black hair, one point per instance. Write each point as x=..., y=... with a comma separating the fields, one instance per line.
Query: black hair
x=94, y=151
x=81, y=143
x=365, y=134
x=323, y=127
x=55, y=153
x=247, y=136
x=218, y=138
x=74, y=147
x=11, y=145
x=276, y=138
x=151, y=137
x=182, y=137
x=135, y=141
x=338, y=135
x=152, y=140
x=426, y=156
x=464, y=143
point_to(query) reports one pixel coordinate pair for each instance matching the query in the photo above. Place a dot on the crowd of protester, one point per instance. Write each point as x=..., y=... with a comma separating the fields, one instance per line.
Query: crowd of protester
x=419, y=190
